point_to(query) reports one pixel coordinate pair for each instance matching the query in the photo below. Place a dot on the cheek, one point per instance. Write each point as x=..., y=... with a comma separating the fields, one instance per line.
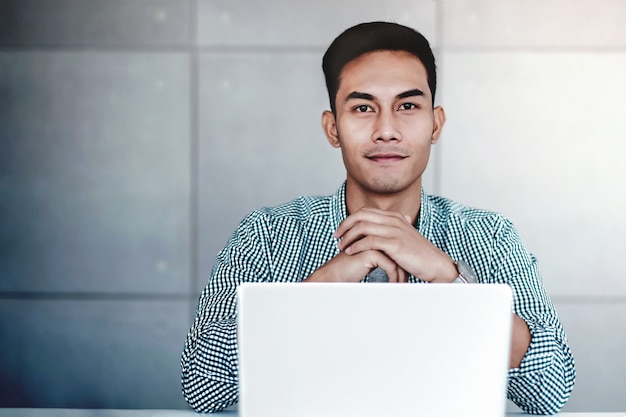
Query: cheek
x=351, y=133
x=418, y=126
x=420, y=135
x=353, y=128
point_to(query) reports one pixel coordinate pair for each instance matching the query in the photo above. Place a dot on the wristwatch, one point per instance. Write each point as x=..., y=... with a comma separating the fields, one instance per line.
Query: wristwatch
x=466, y=273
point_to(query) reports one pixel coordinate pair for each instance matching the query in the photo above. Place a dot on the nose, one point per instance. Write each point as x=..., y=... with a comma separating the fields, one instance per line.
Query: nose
x=386, y=128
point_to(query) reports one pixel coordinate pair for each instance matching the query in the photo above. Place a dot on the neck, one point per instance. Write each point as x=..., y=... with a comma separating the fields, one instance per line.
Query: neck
x=406, y=202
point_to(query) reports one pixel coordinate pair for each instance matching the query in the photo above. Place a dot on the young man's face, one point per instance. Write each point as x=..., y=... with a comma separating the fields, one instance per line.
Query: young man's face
x=385, y=122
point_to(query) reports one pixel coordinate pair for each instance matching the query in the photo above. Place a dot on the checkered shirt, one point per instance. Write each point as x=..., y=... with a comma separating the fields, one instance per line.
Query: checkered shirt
x=289, y=242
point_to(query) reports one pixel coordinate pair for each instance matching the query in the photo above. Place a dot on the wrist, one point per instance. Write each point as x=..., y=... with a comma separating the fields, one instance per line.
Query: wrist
x=323, y=274
x=466, y=274
x=316, y=276
x=447, y=271
x=451, y=271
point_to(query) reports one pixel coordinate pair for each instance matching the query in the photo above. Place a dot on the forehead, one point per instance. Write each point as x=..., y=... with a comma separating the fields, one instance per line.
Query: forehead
x=381, y=70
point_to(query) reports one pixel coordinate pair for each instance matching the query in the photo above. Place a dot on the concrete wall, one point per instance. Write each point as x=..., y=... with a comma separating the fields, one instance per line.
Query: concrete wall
x=135, y=135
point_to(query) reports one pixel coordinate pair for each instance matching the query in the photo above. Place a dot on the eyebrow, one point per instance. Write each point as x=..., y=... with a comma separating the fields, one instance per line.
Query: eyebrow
x=359, y=96
x=411, y=93
x=367, y=96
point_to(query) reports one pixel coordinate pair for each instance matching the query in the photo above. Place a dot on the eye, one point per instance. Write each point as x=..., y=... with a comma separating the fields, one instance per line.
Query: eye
x=363, y=108
x=407, y=106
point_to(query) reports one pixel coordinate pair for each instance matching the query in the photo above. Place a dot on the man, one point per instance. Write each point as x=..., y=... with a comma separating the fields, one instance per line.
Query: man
x=381, y=82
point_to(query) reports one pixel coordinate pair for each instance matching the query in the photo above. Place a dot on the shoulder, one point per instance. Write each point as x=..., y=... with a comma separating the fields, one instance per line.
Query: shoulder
x=451, y=213
x=486, y=239
x=300, y=210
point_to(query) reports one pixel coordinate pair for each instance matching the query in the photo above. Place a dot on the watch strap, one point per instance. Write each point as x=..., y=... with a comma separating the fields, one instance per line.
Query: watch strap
x=466, y=274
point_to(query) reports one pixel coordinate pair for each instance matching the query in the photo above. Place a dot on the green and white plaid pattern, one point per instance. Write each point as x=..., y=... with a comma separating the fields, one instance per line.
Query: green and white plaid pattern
x=289, y=242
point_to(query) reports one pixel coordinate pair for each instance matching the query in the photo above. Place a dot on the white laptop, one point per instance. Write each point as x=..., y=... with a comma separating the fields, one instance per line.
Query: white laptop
x=373, y=350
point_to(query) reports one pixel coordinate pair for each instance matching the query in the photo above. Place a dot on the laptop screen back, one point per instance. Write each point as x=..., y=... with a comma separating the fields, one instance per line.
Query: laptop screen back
x=373, y=349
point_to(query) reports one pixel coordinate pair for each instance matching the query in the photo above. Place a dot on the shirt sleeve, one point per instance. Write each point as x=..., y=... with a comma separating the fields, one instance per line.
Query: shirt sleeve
x=209, y=362
x=543, y=382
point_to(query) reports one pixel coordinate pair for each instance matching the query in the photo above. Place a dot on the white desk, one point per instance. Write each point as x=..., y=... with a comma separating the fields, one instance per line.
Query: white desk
x=59, y=412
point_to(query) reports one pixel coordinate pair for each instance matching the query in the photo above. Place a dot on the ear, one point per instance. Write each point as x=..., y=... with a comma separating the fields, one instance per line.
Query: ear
x=329, y=125
x=439, y=117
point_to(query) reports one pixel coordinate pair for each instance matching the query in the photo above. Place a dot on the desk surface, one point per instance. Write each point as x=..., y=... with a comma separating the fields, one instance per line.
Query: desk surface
x=59, y=412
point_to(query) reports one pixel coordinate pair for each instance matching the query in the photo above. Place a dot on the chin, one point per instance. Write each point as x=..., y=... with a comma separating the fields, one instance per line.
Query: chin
x=387, y=186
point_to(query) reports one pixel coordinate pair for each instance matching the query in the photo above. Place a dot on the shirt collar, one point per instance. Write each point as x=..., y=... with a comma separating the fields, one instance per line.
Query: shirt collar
x=424, y=220
x=338, y=210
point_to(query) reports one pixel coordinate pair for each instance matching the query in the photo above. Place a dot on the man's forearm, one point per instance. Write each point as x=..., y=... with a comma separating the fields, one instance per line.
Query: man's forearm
x=209, y=368
x=544, y=380
x=520, y=341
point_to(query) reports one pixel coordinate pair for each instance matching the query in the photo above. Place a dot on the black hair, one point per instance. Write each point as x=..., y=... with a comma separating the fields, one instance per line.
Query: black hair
x=370, y=37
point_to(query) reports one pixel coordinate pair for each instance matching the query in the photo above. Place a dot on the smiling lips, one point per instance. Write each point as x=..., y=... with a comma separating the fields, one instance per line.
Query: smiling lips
x=385, y=157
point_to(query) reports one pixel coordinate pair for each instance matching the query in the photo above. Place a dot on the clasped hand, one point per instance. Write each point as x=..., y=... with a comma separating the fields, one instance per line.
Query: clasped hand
x=373, y=238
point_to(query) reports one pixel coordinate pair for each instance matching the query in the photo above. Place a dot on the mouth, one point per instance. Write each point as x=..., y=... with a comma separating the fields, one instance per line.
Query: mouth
x=385, y=157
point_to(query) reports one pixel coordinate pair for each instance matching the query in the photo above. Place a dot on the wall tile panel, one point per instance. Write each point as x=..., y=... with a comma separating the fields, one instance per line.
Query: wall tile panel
x=534, y=23
x=282, y=23
x=598, y=342
x=539, y=137
x=92, y=354
x=94, y=172
x=103, y=23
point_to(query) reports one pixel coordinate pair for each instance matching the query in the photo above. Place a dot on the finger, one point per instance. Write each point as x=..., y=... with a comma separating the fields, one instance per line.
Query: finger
x=388, y=246
x=366, y=215
x=376, y=259
x=397, y=274
x=363, y=230
x=403, y=276
x=391, y=272
x=390, y=269
x=392, y=226
x=400, y=273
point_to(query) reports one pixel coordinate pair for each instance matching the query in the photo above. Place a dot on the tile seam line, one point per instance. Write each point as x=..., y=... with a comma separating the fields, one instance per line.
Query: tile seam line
x=226, y=49
x=234, y=48
x=93, y=296
x=181, y=295
x=589, y=299
x=194, y=158
x=534, y=49
x=439, y=63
